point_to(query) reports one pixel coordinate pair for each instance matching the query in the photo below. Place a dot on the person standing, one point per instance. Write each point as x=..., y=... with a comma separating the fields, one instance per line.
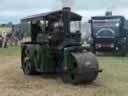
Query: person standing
x=36, y=29
x=4, y=43
x=1, y=39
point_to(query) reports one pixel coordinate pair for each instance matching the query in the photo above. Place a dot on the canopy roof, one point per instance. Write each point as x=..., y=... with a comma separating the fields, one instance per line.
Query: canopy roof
x=108, y=17
x=52, y=15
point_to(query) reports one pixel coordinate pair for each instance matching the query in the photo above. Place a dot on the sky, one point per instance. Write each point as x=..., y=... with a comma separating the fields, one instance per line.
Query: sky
x=14, y=10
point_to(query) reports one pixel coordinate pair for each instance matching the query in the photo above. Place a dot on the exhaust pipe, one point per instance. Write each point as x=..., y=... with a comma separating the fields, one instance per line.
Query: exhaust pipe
x=66, y=19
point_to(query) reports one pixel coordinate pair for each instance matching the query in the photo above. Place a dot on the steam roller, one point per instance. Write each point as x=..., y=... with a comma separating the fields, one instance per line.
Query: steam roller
x=58, y=48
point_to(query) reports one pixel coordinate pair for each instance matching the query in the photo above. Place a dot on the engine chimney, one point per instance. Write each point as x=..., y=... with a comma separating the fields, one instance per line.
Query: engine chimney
x=66, y=9
x=66, y=19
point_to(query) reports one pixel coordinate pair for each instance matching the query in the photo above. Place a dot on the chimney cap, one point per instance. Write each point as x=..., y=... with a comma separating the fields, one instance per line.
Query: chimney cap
x=108, y=13
x=66, y=9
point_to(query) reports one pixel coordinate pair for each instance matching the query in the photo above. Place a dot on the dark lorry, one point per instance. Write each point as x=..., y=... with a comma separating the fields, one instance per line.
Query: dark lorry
x=109, y=33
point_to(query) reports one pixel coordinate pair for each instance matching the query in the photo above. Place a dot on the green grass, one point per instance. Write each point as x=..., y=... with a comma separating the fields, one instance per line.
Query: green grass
x=5, y=29
x=12, y=51
x=113, y=81
x=114, y=78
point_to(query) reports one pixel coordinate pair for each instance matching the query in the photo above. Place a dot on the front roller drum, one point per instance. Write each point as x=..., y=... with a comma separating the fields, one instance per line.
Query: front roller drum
x=83, y=69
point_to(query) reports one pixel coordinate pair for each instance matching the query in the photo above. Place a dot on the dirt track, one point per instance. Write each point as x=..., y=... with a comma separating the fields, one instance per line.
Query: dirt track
x=14, y=83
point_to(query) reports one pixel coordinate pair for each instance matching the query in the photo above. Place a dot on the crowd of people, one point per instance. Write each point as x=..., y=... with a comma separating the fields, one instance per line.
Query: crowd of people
x=8, y=39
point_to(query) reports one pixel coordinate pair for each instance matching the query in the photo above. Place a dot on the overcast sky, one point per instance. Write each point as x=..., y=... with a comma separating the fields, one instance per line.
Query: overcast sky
x=14, y=10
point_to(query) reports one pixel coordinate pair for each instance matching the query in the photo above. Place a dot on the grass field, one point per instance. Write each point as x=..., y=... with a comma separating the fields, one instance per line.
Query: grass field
x=12, y=51
x=5, y=29
x=113, y=81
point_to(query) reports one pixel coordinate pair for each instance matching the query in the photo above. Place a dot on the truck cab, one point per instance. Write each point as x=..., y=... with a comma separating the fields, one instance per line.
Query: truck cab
x=108, y=34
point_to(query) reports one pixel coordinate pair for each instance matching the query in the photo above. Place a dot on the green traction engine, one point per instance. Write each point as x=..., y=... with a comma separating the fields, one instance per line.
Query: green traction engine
x=55, y=47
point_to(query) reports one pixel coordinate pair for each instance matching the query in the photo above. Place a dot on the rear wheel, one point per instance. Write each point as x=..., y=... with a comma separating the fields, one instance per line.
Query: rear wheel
x=36, y=57
x=27, y=61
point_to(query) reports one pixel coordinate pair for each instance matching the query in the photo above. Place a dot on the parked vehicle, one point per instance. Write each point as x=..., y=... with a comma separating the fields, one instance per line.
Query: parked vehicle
x=109, y=34
x=58, y=50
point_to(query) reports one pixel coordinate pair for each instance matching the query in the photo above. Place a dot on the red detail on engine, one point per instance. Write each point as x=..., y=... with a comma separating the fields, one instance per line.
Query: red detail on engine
x=105, y=41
